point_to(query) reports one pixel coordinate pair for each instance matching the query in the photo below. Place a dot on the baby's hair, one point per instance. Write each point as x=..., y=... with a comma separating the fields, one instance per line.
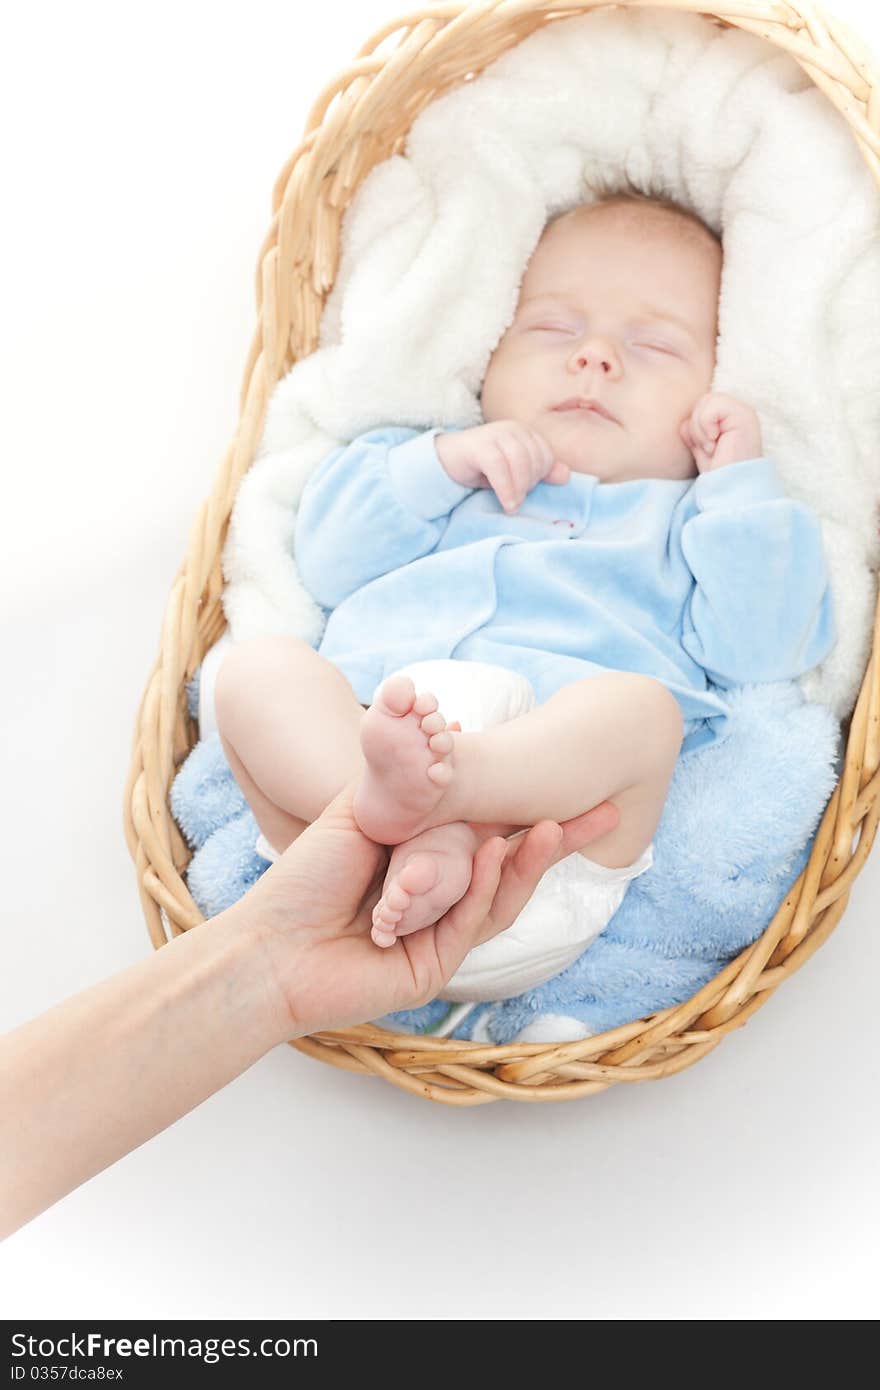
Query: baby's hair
x=623, y=193
x=626, y=195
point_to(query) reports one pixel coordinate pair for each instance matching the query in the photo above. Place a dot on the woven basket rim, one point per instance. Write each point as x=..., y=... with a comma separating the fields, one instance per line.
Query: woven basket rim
x=360, y=118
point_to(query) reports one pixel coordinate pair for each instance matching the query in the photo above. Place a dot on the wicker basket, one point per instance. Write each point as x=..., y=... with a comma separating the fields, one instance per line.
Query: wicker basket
x=374, y=102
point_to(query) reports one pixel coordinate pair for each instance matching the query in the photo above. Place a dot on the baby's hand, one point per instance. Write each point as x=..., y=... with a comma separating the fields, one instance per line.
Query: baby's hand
x=721, y=430
x=505, y=455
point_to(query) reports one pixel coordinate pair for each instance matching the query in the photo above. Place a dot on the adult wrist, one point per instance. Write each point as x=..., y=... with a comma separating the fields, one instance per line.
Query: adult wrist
x=259, y=964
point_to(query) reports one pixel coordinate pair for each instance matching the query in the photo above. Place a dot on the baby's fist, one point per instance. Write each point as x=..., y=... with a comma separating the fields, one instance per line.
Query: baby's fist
x=507, y=456
x=721, y=430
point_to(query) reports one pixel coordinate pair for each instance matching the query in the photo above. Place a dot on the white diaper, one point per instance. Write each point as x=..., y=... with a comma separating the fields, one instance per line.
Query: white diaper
x=207, y=680
x=575, y=899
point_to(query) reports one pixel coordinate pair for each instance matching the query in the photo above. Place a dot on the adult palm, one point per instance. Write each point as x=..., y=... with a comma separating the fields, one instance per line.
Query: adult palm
x=312, y=911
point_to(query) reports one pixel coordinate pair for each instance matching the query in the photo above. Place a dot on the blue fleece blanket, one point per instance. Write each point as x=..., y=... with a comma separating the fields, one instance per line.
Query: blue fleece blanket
x=736, y=831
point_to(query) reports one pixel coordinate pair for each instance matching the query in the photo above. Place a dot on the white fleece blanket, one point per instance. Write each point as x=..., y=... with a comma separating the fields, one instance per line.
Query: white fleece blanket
x=435, y=243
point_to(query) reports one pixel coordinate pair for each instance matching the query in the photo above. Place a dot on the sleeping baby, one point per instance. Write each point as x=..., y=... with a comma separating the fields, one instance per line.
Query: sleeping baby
x=612, y=534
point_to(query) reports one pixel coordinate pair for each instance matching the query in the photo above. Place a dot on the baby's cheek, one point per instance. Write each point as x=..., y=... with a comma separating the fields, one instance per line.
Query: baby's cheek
x=489, y=391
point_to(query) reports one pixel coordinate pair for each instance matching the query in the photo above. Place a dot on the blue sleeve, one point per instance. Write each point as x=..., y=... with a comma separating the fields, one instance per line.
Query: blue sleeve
x=762, y=608
x=370, y=507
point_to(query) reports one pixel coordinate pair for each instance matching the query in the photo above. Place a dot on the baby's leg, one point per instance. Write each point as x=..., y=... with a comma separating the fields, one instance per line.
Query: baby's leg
x=290, y=726
x=611, y=737
x=289, y=723
x=615, y=736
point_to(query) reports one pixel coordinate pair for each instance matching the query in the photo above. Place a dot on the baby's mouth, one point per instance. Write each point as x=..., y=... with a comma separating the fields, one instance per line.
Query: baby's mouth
x=586, y=416
x=586, y=405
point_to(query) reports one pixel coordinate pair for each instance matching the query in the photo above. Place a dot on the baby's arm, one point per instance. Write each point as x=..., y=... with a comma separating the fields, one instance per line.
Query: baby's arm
x=762, y=606
x=369, y=508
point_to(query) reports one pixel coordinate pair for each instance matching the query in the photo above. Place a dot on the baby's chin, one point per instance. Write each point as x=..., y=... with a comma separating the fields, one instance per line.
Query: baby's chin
x=608, y=469
x=582, y=446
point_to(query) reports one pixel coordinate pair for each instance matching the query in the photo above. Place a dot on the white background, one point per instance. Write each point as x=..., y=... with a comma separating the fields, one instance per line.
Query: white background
x=141, y=147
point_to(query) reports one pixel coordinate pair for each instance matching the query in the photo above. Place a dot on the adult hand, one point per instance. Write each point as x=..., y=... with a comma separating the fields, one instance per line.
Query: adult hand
x=98, y=1074
x=312, y=913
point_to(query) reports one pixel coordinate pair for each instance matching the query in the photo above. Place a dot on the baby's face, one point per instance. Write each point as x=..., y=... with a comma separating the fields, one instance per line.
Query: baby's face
x=621, y=309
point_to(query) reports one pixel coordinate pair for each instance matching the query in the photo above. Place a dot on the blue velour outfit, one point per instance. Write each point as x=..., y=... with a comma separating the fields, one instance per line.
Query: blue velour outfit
x=704, y=583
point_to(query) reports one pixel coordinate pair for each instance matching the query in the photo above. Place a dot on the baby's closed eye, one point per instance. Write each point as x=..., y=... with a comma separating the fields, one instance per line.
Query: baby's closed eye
x=564, y=328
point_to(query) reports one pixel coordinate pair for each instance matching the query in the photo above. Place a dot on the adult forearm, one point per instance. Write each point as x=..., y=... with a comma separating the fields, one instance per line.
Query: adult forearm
x=168, y=1032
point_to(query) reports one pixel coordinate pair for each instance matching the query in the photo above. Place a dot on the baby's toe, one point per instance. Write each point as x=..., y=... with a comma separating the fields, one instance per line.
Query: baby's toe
x=395, y=898
x=425, y=703
x=440, y=773
x=383, y=923
x=419, y=874
x=384, y=915
x=440, y=743
x=433, y=723
x=383, y=938
x=396, y=695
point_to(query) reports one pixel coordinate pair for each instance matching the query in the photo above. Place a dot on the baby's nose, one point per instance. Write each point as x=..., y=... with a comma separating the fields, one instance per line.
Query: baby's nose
x=596, y=356
x=594, y=349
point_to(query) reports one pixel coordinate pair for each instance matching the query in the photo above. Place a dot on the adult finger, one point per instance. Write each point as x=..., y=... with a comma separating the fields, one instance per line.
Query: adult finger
x=531, y=853
x=528, y=856
x=440, y=950
x=581, y=830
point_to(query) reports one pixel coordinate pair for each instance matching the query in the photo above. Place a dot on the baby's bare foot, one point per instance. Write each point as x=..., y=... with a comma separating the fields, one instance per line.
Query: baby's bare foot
x=406, y=746
x=425, y=877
